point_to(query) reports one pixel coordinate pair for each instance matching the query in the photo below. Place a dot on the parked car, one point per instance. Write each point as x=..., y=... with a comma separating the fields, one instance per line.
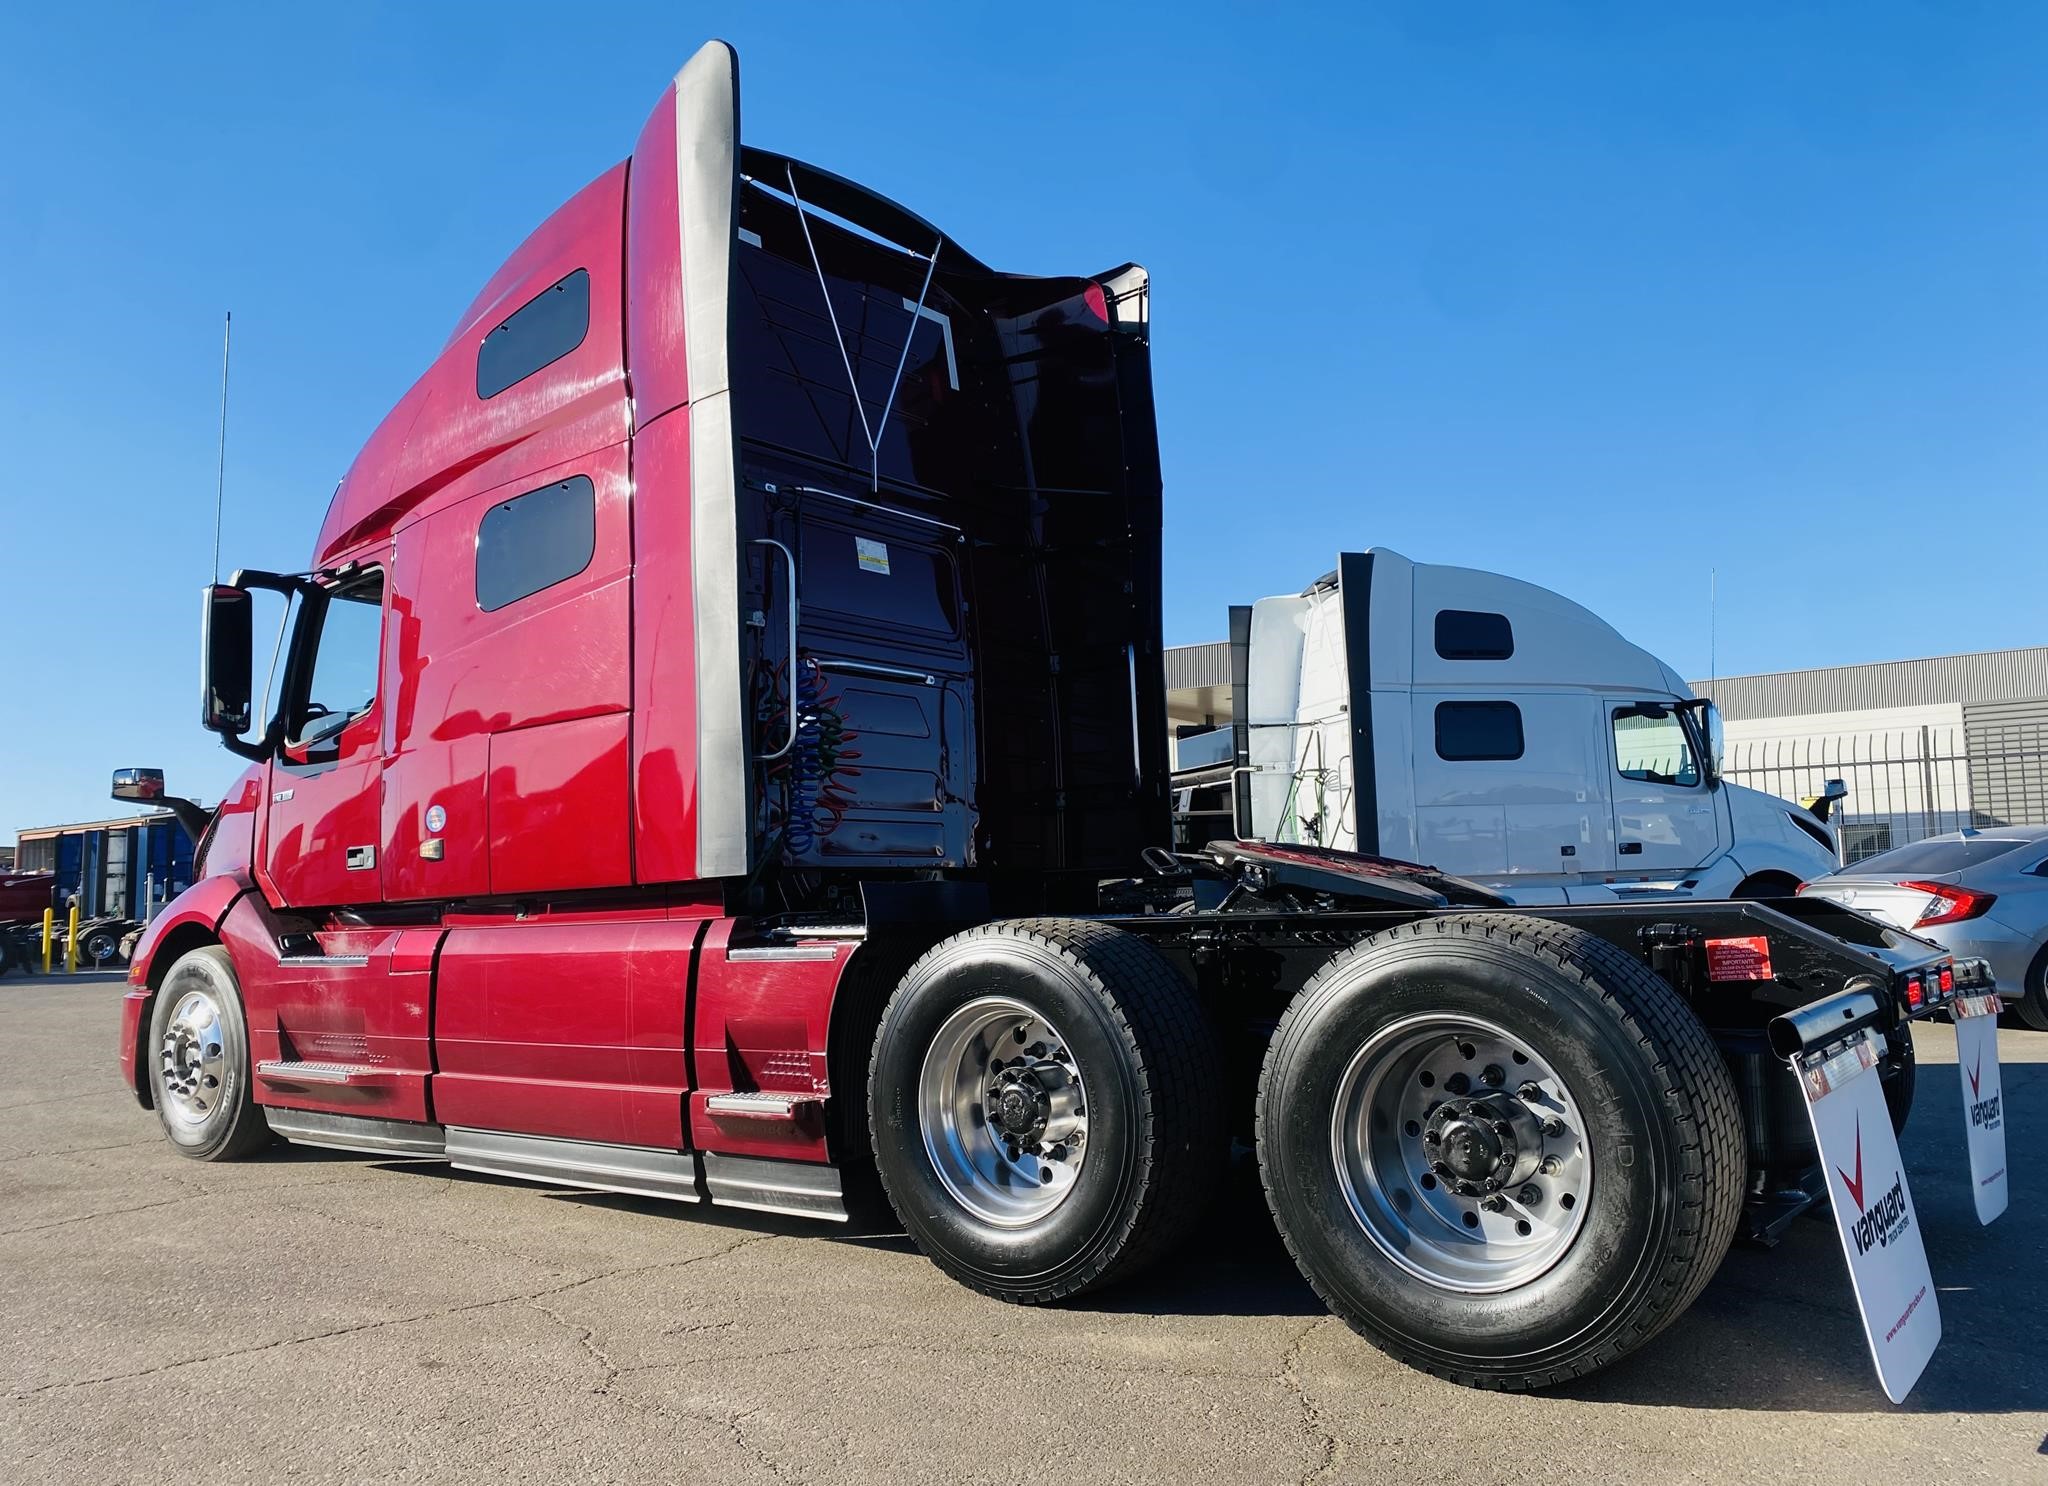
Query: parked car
x=1972, y=892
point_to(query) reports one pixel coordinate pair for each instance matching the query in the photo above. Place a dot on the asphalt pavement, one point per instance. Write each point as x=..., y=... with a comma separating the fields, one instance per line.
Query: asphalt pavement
x=323, y=1317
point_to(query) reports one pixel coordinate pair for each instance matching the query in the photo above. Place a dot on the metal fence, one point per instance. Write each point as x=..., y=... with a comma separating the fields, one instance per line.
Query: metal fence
x=1907, y=784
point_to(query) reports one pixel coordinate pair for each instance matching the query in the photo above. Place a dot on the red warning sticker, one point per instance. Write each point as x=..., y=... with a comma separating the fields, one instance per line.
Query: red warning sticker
x=1739, y=959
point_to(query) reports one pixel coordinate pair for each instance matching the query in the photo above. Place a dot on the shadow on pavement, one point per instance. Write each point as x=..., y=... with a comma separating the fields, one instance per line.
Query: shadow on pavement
x=1776, y=1330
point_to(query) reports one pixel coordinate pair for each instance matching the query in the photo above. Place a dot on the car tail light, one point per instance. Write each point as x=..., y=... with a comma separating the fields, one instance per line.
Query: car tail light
x=1951, y=905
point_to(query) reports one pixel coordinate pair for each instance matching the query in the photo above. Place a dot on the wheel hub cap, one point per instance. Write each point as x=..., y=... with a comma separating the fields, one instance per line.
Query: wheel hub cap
x=1003, y=1111
x=1461, y=1153
x=192, y=1059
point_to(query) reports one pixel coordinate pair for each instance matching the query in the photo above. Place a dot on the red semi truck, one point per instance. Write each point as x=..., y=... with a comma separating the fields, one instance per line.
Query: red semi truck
x=718, y=754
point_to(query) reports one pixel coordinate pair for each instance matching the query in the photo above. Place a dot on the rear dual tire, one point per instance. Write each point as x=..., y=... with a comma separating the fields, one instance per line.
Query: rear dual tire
x=1632, y=1103
x=1036, y=1167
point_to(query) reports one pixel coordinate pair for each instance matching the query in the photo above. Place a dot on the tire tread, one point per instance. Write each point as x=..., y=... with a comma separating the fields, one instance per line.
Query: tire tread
x=1179, y=1140
x=1698, y=1097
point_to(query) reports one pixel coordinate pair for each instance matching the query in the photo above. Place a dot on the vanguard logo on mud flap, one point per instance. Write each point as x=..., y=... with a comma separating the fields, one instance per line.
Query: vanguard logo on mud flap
x=1883, y=1221
x=1984, y=1113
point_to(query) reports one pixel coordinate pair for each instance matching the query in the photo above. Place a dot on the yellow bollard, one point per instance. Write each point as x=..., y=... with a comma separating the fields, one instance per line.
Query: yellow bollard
x=71, y=942
x=49, y=933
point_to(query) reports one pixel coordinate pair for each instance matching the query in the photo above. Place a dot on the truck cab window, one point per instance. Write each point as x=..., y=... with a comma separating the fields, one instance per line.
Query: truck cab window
x=344, y=676
x=1651, y=743
x=535, y=541
x=1476, y=732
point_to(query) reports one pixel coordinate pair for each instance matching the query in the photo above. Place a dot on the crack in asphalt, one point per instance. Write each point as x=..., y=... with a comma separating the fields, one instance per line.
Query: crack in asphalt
x=440, y=1313
x=115, y=1212
x=84, y=1150
x=1322, y=1442
x=586, y=1339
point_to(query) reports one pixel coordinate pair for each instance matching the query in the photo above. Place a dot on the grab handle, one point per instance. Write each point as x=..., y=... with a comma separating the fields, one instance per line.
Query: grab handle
x=789, y=558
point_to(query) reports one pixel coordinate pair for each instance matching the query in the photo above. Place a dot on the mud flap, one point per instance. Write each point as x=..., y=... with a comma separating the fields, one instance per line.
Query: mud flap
x=1976, y=1019
x=1873, y=1210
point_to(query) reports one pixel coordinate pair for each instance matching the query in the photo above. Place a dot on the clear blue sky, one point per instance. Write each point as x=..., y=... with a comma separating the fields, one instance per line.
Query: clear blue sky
x=1593, y=294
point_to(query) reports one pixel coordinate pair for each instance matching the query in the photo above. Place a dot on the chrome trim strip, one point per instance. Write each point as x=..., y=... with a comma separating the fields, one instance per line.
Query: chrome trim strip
x=784, y=952
x=799, y=1188
x=707, y=183
x=354, y=1132
x=642, y=1171
x=323, y=960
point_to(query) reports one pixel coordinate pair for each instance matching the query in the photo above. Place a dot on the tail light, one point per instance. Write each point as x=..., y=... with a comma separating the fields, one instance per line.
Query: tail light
x=1914, y=994
x=1948, y=980
x=1950, y=905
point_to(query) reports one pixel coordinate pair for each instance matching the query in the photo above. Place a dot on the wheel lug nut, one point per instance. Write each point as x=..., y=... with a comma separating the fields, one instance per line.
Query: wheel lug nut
x=1531, y=1195
x=1495, y=1204
x=1553, y=1128
x=1530, y=1093
x=1492, y=1076
x=1550, y=1166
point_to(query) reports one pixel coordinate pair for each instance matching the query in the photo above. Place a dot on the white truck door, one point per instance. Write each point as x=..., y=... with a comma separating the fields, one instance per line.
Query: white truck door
x=1664, y=820
x=1509, y=788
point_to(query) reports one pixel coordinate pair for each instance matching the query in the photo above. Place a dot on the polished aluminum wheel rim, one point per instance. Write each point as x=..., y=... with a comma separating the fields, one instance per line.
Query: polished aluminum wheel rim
x=192, y=1058
x=1003, y=1111
x=1461, y=1152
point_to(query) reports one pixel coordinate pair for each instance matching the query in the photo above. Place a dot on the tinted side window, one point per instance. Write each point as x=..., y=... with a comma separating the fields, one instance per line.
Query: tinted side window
x=546, y=328
x=1652, y=745
x=534, y=541
x=1473, y=731
x=343, y=684
x=1467, y=634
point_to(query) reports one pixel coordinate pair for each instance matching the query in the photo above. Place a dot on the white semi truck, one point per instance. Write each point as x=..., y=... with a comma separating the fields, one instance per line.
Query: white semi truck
x=1493, y=729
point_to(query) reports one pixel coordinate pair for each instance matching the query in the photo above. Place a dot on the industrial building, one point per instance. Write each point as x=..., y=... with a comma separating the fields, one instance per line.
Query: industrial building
x=1924, y=746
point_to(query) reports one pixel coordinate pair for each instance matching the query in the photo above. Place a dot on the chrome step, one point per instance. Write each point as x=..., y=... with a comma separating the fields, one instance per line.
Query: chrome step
x=757, y=1105
x=291, y=1071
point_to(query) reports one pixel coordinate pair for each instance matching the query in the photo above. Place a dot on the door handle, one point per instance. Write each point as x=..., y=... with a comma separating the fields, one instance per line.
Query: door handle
x=1631, y=848
x=361, y=858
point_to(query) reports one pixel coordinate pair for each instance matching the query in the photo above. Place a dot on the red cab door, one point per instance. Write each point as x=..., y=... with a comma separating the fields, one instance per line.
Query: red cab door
x=326, y=782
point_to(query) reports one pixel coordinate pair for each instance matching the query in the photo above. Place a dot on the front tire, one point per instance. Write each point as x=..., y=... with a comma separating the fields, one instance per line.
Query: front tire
x=1046, y=1107
x=1567, y=1181
x=198, y=1051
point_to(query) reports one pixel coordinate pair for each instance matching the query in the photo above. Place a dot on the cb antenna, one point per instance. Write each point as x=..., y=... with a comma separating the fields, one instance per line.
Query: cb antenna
x=1713, y=628
x=220, y=471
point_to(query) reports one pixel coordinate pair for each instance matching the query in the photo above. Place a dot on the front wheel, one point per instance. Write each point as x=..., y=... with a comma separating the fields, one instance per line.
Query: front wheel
x=1046, y=1105
x=1499, y=1148
x=198, y=1052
